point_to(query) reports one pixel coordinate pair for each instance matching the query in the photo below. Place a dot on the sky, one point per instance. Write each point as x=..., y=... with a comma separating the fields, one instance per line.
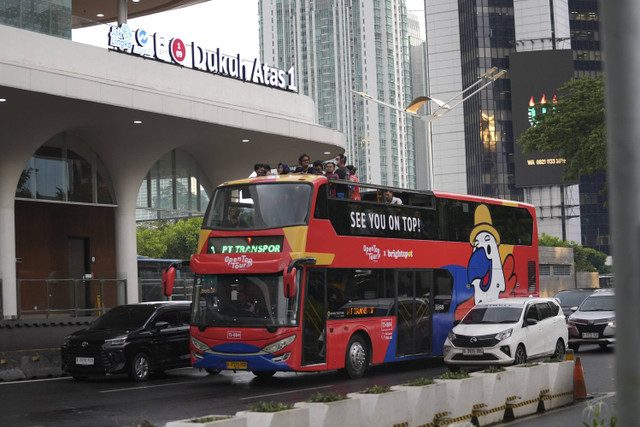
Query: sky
x=232, y=26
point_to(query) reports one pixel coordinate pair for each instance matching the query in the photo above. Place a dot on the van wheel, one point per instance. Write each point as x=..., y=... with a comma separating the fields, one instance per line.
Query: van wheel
x=140, y=368
x=357, y=357
x=520, y=356
x=560, y=350
x=212, y=371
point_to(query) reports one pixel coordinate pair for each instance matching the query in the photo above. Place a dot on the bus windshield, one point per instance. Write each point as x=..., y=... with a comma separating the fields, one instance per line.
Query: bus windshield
x=242, y=301
x=259, y=206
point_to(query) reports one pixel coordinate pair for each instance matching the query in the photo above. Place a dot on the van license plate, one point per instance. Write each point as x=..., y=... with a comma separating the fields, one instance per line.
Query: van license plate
x=84, y=361
x=236, y=365
x=589, y=335
x=472, y=351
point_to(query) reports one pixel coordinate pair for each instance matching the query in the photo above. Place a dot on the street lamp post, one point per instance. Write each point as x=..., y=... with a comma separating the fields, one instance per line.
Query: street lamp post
x=443, y=107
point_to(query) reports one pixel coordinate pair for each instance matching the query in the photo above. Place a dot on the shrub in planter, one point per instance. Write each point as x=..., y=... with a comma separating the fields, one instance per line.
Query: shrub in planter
x=382, y=406
x=274, y=414
x=330, y=410
x=425, y=398
x=210, y=421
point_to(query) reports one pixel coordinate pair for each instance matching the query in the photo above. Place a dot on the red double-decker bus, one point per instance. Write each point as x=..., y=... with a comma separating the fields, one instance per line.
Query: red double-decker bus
x=289, y=277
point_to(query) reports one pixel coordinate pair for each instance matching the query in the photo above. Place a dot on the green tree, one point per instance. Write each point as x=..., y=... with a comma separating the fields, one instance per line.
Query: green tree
x=585, y=259
x=182, y=238
x=169, y=239
x=574, y=127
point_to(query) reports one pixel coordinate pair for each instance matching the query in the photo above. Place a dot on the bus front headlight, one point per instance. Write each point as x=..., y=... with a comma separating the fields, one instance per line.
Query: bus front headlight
x=279, y=345
x=199, y=345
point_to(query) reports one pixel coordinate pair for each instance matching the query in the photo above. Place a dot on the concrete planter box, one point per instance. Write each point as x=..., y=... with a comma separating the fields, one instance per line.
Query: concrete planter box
x=496, y=388
x=331, y=414
x=533, y=380
x=383, y=409
x=560, y=385
x=289, y=418
x=463, y=395
x=228, y=421
x=424, y=401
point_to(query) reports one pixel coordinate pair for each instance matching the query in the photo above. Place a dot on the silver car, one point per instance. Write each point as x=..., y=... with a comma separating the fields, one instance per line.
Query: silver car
x=594, y=321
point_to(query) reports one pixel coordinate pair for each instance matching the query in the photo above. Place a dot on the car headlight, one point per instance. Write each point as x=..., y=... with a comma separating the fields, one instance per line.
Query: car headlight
x=501, y=336
x=612, y=323
x=199, y=345
x=279, y=345
x=451, y=336
x=116, y=341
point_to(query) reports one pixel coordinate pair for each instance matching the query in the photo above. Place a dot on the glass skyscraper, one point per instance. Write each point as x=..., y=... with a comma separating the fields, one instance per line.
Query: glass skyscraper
x=342, y=45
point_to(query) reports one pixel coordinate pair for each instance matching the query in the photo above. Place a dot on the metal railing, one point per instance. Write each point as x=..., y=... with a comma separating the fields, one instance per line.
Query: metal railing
x=70, y=297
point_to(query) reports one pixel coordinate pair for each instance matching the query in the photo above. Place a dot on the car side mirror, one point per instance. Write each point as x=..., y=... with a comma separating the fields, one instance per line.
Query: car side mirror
x=161, y=325
x=456, y=322
x=530, y=322
x=575, y=308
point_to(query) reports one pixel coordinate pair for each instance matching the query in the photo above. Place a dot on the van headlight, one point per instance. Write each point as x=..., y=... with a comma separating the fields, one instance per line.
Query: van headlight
x=116, y=341
x=279, y=345
x=501, y=336
x=451, y=336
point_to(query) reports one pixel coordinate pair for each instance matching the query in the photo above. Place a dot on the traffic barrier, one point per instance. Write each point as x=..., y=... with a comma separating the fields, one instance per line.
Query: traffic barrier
x=579, y=385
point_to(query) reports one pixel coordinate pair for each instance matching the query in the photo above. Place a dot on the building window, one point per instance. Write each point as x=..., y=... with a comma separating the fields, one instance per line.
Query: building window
x=545, y=270
x=66, y=169
x=561, y=270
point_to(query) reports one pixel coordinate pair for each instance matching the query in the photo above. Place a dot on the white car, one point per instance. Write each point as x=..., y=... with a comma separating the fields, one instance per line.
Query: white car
x=508, y=331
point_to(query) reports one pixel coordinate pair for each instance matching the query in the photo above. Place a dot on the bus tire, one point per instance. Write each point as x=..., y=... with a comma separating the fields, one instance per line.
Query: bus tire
x=357, y=357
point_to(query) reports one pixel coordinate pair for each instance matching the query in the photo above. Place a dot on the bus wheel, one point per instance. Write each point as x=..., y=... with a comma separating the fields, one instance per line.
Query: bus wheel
x=263, y=375
x=357, y=357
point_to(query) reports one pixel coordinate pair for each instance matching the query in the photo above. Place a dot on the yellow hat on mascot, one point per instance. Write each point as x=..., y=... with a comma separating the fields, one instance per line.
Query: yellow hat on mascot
x=482, y=221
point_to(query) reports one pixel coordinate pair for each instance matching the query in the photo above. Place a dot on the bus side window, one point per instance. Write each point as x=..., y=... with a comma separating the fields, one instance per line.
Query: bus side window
x=443, y=288
x=322, y=209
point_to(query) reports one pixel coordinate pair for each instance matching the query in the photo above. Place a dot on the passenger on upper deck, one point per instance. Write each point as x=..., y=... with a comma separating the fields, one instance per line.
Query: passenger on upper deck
x=303, y=167
x=389, y=198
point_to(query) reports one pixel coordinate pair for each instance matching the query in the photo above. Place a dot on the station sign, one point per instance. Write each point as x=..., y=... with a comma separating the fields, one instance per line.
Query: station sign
x=174, y=50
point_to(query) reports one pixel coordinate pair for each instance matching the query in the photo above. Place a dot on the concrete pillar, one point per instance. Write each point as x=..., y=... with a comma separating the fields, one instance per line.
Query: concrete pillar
x=123, y=12
x=126, y=244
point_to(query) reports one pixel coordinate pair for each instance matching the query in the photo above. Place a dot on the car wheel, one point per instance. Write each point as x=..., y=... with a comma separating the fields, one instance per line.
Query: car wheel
x=140, y=368
x=520, y=356
x=263, y=375
x=560, y=350
x=212, y=371
x=357, y=357
x=574, y=347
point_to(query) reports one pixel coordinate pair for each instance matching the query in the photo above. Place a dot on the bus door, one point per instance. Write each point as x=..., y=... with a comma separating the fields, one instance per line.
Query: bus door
x=414, y=320
x=314, y=320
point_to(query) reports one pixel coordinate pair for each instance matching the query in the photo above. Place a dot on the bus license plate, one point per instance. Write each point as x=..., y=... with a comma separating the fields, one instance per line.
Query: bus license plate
x=236, y=365
x=85, y=361
x=588, y=335
x=472, y=351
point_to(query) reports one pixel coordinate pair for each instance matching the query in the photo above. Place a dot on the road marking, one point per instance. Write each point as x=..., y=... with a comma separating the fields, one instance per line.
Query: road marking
x=143, y=387
x=33, y=381
x=284, y=392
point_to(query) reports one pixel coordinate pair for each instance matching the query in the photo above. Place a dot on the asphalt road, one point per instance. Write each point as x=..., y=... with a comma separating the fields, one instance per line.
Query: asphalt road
x=185, y=393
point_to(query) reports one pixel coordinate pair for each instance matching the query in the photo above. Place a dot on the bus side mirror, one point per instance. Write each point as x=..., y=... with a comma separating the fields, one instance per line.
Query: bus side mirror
x=289, y=282
x=168, y=280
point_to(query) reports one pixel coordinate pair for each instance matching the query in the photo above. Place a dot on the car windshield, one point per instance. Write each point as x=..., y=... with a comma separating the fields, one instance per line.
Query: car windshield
x=242, y=300
x=571, y=299
x=124, y=317
x=259, y=206
x=485, y=315
x=599, y=303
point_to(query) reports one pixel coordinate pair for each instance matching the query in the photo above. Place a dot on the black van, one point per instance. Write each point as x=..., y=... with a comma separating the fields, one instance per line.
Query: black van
x=136, y=339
